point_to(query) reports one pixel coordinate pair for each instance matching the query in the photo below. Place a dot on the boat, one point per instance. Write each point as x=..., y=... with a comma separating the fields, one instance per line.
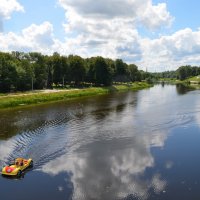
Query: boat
x=17, y=167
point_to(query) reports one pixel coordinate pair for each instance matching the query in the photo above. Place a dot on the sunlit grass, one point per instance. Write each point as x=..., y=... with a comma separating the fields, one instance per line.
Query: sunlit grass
x=195, y=79
x=28, y=98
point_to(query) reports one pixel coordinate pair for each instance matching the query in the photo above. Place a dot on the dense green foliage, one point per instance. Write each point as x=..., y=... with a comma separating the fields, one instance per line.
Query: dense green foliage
x=182, y=73
x=187, y=71
x=26, y=71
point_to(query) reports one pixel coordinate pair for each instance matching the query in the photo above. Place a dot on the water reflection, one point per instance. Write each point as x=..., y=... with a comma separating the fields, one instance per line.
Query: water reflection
x=181, y=89
x=101, y=170
x=108, y=147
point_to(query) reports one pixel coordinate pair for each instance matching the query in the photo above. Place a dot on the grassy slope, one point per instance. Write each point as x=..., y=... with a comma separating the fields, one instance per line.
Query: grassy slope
x=192, y=83
x=195, y=79
x=21, y=99
x=169, y=80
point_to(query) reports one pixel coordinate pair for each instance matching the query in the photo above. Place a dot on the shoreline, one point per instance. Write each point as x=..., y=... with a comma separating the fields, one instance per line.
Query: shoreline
x=14, y=100
x=189, y=83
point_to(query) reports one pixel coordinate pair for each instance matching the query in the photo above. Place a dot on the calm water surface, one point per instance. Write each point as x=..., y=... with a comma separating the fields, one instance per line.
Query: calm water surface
x=133, y=146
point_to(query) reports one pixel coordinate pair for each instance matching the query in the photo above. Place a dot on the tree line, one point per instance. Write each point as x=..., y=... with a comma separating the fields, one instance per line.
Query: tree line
x=21, y=71
x=181, y=73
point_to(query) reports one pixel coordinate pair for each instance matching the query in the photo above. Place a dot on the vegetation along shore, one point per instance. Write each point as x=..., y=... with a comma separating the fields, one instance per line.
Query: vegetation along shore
x=31, y=98
x=33, y=78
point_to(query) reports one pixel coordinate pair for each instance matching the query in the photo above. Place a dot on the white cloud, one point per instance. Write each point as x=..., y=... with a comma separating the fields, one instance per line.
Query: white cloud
x=180, y=48
x=117, y=171
x=33, y=38
x=108, y=28
x=41, y=35
x=7, y=7
x=166, y=52
x=152, y=16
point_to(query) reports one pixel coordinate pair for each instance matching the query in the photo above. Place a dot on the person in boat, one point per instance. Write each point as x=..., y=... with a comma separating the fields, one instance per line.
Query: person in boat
x=19, y=162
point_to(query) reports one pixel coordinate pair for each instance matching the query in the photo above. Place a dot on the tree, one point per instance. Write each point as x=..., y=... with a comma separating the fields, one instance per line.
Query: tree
x=102, y=72
x=25, y=75
x=90, y=74
x=184, y=72
x=24, y=71
x=133, y=73
x=8, y=73
x=65, y=69
x=60, y=68
x=121, y=71
x=40, y=70
x=77, y=69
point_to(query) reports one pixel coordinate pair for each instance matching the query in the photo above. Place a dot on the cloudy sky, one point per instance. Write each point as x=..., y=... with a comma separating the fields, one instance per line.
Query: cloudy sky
x=154, y=34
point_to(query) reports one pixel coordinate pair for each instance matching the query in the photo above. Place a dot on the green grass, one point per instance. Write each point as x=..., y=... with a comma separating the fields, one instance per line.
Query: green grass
x=169, y=80
x=192, y=83
x=188, y=80
x=195, y=79
x=27, y=98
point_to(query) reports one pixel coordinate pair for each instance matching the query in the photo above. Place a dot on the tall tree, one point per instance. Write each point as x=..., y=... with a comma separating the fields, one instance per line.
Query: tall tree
x=121, y=74
x=25, y=75
x=133, y=73
x=102, y=72
x=77, y=69
x=8, y=73
x=40, y=70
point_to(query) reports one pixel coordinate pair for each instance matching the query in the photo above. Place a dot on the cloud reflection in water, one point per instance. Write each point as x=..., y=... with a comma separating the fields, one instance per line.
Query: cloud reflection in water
x=102, y=171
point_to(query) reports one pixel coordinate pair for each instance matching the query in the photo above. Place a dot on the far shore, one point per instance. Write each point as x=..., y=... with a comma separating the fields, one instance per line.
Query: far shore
x=13, y=100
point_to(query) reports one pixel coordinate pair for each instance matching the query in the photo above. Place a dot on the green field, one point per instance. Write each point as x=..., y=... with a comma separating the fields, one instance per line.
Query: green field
x=191, y=80
x=195, y=79
x=13, y=100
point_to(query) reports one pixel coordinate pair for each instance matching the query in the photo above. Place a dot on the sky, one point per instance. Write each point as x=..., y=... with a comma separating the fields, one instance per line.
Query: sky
x=156, y=35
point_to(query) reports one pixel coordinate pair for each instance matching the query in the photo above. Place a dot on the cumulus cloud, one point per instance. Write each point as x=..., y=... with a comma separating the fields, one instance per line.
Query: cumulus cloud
x=7, y=7
x=42, y=34
x=171, y=51
x=164, y=53
x=109, y=28
x=152, y=16
x=33, y=38
x=156, y=16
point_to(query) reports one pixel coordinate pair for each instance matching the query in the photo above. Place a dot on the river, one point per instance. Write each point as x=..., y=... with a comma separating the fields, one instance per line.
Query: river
x=133, y=146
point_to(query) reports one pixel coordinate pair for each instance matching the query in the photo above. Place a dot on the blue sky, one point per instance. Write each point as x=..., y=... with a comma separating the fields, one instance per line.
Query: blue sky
x=186, y=13
x=158, y=34
x=37, y=12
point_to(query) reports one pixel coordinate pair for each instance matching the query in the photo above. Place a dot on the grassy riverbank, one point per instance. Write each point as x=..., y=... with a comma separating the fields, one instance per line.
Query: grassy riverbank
x=38, y=97
x=191, y=80
x=192, y=83
x=169, y=80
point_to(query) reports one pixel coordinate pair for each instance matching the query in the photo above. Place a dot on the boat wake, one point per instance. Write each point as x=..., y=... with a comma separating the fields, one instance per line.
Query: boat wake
x=42, y=144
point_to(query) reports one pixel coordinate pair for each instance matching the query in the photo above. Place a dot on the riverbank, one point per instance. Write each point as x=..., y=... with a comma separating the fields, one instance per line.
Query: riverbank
x=192, y=83
x=43, y=96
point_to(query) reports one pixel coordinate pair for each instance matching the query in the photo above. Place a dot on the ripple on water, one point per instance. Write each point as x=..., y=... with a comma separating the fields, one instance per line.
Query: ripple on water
x=43, y=143
x=52, y=139
x=170, y=121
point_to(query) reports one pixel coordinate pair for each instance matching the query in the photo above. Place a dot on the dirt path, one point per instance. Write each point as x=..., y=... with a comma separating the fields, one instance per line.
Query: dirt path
x=46, y=91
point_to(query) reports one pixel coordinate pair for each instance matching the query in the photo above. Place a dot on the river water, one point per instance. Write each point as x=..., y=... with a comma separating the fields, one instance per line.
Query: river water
x=141, y=145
